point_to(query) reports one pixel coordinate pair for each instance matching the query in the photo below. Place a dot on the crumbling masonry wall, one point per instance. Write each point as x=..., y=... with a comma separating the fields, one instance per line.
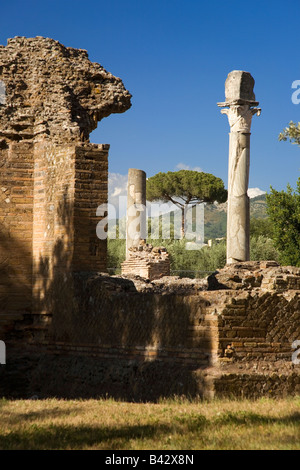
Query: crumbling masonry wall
x=171, y=336
x=140, y=340
x=73, y=331
x=51, y=178
x=147, y=262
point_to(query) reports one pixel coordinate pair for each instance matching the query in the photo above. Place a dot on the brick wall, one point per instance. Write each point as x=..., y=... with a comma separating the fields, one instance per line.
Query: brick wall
x=260, y=326
x=113, y=318
x=91, y=190
x=70, y=182
x=136, y=339
x=127, y=317
x=146, y=261
x=16, y=220
x=49, y=196
x=51, y=178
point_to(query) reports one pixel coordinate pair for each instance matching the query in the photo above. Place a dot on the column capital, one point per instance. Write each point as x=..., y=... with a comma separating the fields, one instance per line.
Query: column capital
x=239, y=116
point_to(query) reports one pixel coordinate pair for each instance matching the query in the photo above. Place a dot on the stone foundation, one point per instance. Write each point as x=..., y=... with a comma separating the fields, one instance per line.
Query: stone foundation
x=137, y=339
x=147, y=262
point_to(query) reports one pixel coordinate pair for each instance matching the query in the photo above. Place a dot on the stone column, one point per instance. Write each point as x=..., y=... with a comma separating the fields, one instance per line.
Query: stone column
x=240, y=102
x=136, y=228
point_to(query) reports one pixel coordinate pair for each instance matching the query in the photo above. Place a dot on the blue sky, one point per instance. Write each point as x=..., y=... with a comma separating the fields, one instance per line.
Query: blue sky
x=174, y=56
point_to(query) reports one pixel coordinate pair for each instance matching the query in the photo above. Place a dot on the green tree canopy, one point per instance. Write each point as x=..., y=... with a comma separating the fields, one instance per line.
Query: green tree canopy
x=261, y=227
x=284, y=211
x=185, y=187
x=291, y=133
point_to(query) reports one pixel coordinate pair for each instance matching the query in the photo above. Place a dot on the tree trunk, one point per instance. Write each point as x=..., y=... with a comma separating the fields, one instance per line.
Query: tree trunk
x=182, y=222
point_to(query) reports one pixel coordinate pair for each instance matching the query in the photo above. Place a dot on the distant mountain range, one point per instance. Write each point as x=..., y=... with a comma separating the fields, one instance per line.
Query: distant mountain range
x=215, y=216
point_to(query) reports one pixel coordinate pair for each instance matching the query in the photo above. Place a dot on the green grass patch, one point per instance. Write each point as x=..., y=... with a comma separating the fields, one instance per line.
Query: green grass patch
x=180, y=424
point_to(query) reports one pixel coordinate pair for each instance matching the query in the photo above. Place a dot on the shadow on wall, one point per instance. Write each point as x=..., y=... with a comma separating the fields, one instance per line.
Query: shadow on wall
x=104, y=337
x=28, y=290
x=73, y=376
x=15, y=257
x=52, y=279
x=15, y=282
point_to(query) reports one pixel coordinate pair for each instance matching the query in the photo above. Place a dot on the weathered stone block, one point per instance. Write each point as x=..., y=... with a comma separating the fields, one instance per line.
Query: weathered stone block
x=239, y=86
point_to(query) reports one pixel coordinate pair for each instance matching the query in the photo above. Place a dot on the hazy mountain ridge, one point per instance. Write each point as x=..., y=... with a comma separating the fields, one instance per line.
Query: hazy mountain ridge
x=215, y=216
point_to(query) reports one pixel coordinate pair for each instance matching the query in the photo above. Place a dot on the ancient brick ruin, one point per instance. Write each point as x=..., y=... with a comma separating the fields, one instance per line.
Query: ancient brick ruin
x=51, y=178
x=228, y=335
x=147, y=261
x=70, y=329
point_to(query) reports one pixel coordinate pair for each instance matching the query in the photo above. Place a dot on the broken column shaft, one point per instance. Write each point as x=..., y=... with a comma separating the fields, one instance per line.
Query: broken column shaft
x=136, y=229
x=240, y=100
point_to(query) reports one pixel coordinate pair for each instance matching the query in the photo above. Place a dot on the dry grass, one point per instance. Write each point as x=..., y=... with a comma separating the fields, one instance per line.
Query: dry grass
x=171, y=424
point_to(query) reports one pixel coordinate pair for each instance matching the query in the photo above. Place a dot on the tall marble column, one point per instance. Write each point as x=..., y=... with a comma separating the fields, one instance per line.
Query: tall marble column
x=136, y=228
x=239, y=107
